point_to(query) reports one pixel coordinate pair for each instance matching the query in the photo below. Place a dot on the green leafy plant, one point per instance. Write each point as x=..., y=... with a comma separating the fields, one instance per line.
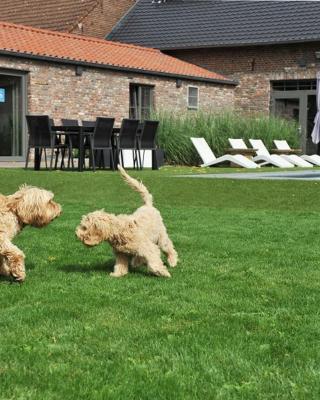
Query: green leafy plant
x=175, y=131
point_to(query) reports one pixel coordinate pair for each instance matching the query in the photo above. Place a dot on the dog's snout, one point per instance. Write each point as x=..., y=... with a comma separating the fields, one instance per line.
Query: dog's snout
x=18, y=279
x=58, y=208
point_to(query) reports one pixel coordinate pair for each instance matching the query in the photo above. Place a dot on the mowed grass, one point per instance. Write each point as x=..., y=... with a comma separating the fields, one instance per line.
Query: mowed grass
x=238, y=320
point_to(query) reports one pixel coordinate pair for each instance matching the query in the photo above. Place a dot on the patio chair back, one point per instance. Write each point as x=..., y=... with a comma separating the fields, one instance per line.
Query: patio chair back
x=39, y=128
x=103, y=133
x=237, y=144
x=148, y=135
x=89, y=124
x=203, y=150
x=69, y=122
x=74, y=138
x=281, y=144
x=259, y=145
x=128, y=133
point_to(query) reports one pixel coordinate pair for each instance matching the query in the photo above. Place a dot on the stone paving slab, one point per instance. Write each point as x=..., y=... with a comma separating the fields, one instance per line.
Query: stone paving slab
x=305, y=175
x=12, y=164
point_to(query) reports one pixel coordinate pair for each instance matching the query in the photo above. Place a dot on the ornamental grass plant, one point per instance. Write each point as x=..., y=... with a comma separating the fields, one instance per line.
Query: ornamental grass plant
x=175, y=131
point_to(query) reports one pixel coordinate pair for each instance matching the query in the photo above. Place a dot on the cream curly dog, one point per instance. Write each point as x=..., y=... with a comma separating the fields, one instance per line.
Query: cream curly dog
x=138, y=237
x=28, y=206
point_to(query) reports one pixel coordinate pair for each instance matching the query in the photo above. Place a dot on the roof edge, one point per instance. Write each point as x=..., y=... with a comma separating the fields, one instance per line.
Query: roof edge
x=116, y=68
x=75, y=36
x=120, y=22
x=220, y=46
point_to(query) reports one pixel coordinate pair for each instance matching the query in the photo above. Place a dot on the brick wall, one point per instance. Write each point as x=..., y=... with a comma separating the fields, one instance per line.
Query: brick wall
x=54, y=89
x=100, y=21
x=254, y=67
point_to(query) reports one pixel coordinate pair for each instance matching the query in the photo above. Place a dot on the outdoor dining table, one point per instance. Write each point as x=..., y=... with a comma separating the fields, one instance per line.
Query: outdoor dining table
x=83, y=132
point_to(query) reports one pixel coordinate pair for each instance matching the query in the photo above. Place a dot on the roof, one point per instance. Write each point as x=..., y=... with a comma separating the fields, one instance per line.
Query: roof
x=28, y=42
x=178, y=24
x=60, y=15
x=87, y=17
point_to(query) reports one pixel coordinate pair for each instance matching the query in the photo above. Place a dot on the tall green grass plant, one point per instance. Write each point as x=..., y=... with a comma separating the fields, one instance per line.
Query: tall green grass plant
x=176, y=129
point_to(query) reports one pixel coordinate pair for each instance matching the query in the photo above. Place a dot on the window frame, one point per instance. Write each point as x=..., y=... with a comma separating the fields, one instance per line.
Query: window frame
x=140, y=108
x=190, y=107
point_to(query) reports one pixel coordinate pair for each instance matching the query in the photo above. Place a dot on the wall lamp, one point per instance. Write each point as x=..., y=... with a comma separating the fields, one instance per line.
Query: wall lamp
x=178, y=83
x=79, y=70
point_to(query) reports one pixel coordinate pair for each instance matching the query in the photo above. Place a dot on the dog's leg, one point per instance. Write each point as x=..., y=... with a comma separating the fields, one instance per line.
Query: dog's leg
x=4, y=268
x=167, y=247
x=137, y=261
x=14, y=260
x=121, y=266
x=151, y=253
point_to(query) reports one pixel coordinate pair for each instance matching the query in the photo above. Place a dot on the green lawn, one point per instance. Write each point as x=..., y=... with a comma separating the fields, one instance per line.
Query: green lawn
x=238, y=320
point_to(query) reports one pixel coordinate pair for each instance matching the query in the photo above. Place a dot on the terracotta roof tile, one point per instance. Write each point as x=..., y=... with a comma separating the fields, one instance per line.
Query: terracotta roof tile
x=26, y=40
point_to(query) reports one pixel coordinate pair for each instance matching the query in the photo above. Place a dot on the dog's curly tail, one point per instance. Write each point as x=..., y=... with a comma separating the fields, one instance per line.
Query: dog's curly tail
x=137, y=186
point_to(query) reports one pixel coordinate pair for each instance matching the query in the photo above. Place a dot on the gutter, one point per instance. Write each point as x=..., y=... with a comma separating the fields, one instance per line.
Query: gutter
x=115, y=68
x=219, y=46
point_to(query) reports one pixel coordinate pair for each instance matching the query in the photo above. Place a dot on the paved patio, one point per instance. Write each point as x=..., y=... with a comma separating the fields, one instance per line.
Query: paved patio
x=302, y=175
x=21, y=164
x=12, y=164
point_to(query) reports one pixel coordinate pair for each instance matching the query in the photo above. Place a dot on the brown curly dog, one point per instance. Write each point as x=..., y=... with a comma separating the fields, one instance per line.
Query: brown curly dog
x=28, y=206
x=138, y=237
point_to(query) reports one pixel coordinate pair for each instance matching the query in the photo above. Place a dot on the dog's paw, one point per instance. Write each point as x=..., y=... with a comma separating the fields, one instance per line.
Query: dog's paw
x=163, y=272
x=116, y=275
x=173, y=259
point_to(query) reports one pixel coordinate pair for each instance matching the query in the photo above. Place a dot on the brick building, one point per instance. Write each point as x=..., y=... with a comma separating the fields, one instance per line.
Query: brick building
x=87, y=17
x=270, y=47
x=77, y=77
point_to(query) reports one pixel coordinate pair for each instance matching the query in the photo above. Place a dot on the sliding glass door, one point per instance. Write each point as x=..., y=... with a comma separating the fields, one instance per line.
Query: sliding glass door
x=12, y=111
x=296, y=100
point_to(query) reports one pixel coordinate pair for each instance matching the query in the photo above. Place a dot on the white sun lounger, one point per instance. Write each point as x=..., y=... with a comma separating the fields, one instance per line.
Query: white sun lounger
x=313, y=159
x=209, y=159
x=263, y=156
x=293, y=158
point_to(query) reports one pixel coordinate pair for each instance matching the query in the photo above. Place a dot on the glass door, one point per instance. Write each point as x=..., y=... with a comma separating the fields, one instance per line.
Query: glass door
x=12, y=141
x=292, y=105
x=296, y=99
x=287, y=108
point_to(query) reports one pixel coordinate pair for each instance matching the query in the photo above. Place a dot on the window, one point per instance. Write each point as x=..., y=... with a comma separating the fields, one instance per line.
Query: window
x=141, y=101
x=193, y=97
x=302, y=84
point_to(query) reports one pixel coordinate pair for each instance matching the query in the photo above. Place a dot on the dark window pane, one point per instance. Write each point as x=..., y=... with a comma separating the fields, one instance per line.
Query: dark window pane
x=141, y=101
x=302, y=84
x=193, y=94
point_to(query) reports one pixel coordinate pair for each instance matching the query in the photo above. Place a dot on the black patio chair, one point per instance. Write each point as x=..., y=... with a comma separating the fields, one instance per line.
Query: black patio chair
x=89, y=124
x=128, y=140
x=71, y=140
x=102, y=139
x=147, y=139
x=41, y=137
x=69, y=122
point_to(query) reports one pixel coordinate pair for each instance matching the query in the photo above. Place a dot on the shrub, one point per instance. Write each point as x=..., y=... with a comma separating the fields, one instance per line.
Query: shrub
x=175, y=131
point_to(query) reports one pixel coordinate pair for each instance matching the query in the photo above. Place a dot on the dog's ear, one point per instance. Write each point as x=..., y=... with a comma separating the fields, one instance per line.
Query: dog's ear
x=122, y=236
x=32, y=206
x=13, y=201
x=119, y=239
